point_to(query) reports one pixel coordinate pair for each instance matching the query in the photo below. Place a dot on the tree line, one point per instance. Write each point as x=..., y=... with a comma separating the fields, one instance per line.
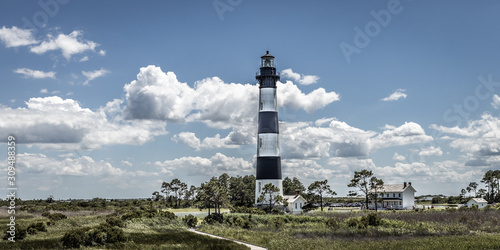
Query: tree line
x=231, y=192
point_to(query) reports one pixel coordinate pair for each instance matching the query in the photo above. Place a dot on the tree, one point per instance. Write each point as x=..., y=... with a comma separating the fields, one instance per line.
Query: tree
x=462, y=193
x=320, y=188
x=156, y=196
x=290, y=186
x=241, y=191
x=213, y=193
x=270, y=195
x=481, y=192
x=176, y=188
x=190, y=194
x=376, y=186
x=492, y=181
x=361, y=181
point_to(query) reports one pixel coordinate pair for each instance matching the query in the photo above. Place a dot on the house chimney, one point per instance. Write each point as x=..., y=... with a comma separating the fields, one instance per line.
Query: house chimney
x=409, y=183
x=404, y=184
x=297, y=191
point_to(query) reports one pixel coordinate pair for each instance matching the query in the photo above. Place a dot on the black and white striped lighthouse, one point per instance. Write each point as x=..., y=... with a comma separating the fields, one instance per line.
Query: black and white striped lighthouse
x=268, y=147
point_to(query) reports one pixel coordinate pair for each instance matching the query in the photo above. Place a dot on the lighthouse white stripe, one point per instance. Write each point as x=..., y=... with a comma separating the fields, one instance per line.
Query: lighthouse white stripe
x=268, y=99
x=268, y=145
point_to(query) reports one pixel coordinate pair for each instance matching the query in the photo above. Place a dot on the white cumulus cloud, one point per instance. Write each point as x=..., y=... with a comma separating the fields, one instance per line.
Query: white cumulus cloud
x=159, y=95
x=68, y=44
x=431, y=151
x=213, y=166
x=37, y=74
x=301, y=79
x=400, y=93
x=16, y=37
x=61, y=124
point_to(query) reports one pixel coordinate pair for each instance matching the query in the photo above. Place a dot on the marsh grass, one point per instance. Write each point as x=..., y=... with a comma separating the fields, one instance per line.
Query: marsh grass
x=141, y=233
x=403, y=230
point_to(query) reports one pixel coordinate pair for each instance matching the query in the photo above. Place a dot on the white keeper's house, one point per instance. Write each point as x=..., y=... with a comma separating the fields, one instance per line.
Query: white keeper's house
x=399, y=196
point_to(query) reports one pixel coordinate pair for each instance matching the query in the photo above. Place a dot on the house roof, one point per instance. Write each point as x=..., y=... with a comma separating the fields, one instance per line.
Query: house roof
x=292, y=198
x=397, y=188
x=479, y=200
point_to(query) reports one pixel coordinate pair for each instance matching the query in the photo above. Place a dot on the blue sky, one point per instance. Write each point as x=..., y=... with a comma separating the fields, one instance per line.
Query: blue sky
x=109, y=99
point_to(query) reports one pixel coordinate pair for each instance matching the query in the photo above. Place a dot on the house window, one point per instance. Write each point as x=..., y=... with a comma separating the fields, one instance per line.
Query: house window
x=300, y=205
x=260, y=186
x=393, y=195
x=387, y=195
x=399, y=195
x=295, y=205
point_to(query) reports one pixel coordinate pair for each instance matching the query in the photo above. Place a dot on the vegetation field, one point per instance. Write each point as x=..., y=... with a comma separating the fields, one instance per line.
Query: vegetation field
x=128, y=229
x=431, y=229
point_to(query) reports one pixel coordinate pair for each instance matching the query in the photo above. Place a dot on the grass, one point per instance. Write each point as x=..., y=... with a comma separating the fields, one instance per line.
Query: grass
x=397, y=230
x=141, y=233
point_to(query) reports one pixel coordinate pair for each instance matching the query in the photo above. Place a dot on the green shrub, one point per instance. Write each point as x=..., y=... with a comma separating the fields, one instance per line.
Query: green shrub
x=167, y=214
x=100, y=235
x=36, y=227
x=277, y=222
x=332, y=223
x=57, y=216
x=213, y=218
x=352, y=222
x=115, y=221
x=104, y=234
x=73, y=239
x=132, y=215
x=190, y=220
x=371, y=219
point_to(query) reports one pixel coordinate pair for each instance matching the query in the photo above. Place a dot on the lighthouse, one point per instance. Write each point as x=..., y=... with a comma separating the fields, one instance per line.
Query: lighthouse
x=268, y=148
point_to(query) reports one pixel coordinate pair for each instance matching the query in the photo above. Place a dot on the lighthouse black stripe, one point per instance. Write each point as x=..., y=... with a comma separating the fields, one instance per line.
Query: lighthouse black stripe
x=268, y=168
x=268, y=122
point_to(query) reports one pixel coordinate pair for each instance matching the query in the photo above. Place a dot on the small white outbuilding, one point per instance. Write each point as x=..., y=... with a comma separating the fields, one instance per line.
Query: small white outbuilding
x=295, y=203
x=479, y=202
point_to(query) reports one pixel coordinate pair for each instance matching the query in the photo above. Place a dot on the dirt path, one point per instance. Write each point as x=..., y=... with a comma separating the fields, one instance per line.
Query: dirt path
x=253, y=247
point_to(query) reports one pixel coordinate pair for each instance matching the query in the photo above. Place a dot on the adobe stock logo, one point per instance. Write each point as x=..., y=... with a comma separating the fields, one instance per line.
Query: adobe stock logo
x=222, y=6
x=50, y=8
x=362, y=38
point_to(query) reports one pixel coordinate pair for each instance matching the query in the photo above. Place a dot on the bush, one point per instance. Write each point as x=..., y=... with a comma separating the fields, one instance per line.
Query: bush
x=190, y=220
x=167, y=214
x=104, y=234
x=352, y=222
x=132, y=215
x=372, y=219
x=56, y=216
x=332, y=223
x=36, y=227
x=73, y=239
x=213, y=218
x=115, y=221
x=100, y=235
x=277, y=222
